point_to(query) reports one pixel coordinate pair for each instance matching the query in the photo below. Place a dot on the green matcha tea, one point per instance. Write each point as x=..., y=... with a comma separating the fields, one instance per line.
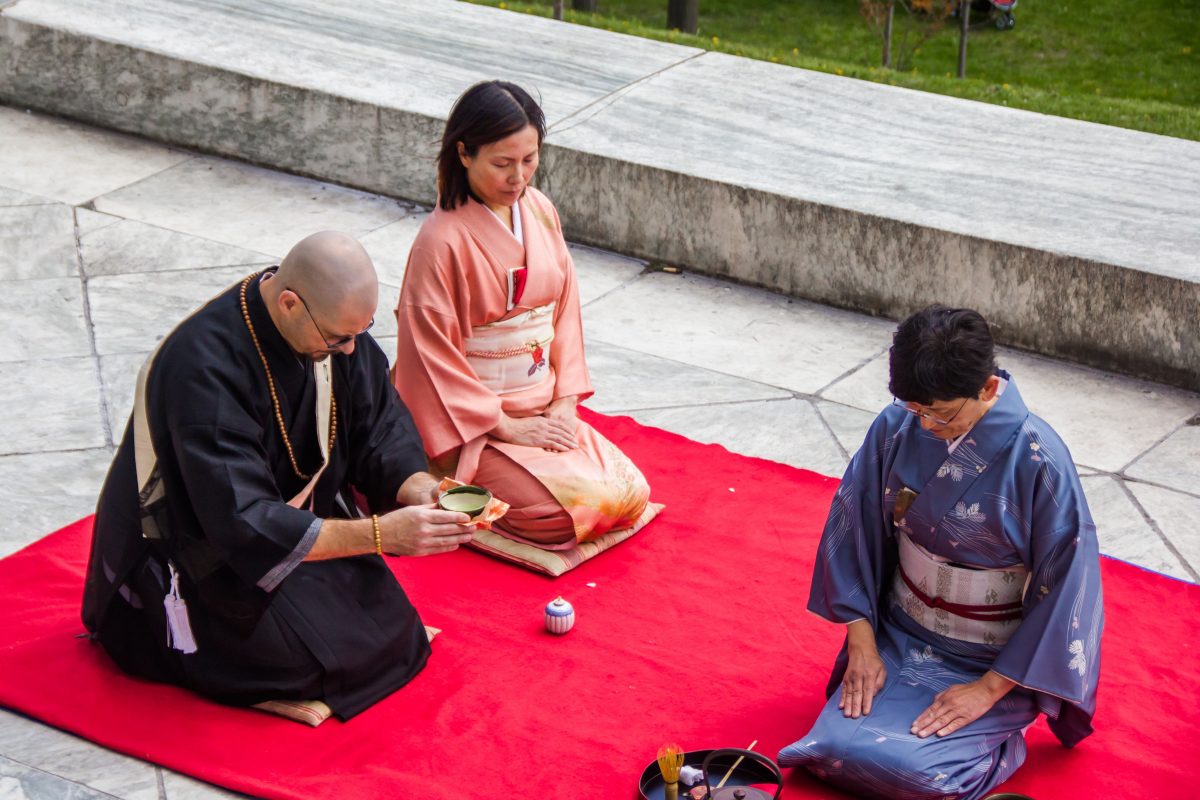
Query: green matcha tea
x=470, y=501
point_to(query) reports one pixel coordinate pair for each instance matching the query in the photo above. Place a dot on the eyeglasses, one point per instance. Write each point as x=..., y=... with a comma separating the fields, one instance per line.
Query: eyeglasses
x=925, y=414
x=339, y=343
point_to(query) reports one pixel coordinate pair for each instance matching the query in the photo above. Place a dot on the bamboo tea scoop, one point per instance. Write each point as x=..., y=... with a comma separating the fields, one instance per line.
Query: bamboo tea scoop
x=735, y=765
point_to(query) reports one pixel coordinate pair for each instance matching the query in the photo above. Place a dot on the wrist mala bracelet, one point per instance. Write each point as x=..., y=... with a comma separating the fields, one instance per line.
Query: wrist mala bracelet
x=378, y=534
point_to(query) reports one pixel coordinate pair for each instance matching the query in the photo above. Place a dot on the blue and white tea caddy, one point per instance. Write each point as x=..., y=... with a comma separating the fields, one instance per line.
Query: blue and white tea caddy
x=560, y=616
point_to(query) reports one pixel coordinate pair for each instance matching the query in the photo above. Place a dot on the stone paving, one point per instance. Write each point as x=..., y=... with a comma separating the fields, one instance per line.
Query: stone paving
x=107, y=240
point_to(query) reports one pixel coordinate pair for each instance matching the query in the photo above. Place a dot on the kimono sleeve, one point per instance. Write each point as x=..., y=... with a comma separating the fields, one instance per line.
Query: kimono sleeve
x=1056, y=649
x=857, y=550
x=385, y=446
x=567, y=356
x=231, y=489
x=450, y=405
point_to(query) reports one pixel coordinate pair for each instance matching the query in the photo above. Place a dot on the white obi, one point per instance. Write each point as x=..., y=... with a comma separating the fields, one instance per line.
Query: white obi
x=513, y=354
x=972, y=605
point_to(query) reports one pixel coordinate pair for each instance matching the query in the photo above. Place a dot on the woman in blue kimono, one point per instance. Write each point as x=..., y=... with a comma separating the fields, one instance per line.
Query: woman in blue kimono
x=961, y=557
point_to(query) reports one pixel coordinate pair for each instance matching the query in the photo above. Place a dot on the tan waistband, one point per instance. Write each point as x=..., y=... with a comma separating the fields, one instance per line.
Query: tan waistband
x=974, y=605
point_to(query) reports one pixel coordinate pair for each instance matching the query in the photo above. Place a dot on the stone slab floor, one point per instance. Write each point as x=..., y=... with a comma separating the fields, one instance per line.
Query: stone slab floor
x=106, y=241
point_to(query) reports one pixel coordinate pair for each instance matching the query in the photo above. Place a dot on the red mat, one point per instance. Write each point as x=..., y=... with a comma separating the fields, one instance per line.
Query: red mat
x=694, y=632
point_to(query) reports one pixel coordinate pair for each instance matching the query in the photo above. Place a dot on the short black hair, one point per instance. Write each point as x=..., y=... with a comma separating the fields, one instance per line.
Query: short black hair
x=941, y=354
x=485, y=113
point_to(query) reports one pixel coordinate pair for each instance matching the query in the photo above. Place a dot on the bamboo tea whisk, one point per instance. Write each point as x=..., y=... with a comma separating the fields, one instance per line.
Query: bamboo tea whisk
x=670, y=761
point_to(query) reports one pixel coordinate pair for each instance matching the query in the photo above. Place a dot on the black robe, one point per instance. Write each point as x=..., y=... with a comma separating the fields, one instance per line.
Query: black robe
x=267, y=624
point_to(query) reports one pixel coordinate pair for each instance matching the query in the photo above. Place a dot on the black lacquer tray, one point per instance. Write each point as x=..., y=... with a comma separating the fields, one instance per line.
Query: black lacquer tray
x=755, y=769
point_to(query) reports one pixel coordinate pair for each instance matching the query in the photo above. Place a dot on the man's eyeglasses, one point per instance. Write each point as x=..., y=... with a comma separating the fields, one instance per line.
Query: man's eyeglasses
x=334, y=345
x=925, y=414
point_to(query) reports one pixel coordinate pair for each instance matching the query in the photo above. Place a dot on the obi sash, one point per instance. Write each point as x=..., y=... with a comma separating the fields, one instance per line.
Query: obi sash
x=972, y=605
x=510, y=355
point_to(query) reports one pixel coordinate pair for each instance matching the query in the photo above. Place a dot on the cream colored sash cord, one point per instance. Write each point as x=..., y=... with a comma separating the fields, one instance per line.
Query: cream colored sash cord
x=324, y=377
x=143, y=448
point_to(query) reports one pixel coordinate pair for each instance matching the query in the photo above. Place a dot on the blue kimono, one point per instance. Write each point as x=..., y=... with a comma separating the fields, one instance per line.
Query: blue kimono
x=1008, y=495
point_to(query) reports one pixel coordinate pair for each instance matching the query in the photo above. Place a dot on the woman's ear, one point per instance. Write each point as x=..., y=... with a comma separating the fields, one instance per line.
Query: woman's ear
x=462, y=155
x=989, y=389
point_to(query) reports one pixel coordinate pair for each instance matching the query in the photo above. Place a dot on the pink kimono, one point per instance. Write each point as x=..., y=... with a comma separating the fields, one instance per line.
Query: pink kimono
x=464, y=356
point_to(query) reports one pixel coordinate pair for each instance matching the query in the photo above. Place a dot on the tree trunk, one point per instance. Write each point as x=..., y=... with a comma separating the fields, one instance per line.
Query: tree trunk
x=583, y=5
x=887, y=33
x=558, y=9
x=684, y=15
x=964, y=12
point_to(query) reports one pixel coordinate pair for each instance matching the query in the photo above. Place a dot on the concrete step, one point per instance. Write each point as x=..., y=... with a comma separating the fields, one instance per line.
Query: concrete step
x=1077, y=240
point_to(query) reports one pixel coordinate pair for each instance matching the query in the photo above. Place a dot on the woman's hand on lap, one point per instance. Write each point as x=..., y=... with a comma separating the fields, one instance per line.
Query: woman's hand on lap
x=549, y=433
x=961, y=704
x=564, y=408
x=865, y=671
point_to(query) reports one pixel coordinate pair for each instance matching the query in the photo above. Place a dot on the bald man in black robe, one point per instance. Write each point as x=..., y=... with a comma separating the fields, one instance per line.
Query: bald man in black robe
x=272, y=600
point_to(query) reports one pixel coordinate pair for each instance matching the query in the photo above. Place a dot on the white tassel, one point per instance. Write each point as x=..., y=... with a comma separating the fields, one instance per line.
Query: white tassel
x=179, y=628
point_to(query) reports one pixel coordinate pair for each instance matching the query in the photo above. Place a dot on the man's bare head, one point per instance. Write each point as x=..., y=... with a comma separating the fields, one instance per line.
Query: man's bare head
x=325, y=290
x=333, y=272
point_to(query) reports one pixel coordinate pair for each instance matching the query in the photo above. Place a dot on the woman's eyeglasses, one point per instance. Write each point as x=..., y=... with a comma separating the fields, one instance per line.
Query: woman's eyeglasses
x=925, y=414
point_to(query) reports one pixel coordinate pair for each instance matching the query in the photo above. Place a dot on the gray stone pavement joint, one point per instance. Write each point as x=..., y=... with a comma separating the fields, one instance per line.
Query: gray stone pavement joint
x=1189, y=568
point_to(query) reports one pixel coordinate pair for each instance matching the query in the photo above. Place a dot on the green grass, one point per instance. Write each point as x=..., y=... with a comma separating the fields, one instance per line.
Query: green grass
x=1130, y=63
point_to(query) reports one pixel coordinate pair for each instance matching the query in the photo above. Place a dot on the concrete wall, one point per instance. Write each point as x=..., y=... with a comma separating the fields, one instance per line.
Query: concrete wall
x=1059, y=305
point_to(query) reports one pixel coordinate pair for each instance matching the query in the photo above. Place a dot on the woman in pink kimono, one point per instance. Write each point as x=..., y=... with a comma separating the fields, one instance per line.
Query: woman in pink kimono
x=490, y=352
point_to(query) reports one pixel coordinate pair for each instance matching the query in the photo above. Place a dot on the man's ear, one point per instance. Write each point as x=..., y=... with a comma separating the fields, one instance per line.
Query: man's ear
x=990, y=388
x=287, y=300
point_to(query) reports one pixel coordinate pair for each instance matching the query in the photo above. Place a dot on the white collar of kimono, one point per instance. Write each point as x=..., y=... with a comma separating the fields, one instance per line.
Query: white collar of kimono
x=516, y=230
x=953, y=445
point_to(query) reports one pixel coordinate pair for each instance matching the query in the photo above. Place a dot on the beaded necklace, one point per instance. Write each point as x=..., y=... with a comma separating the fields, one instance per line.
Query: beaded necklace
x=287, y=443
